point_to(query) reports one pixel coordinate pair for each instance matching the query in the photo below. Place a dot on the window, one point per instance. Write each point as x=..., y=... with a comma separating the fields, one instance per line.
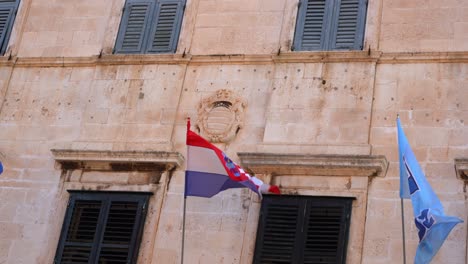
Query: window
x=150, y=26
x=102, y=227
x=303, y=229
x=8, y=9
x=330, y=25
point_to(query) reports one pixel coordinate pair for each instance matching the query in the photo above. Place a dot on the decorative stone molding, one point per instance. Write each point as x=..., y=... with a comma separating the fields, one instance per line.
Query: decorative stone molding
x=221, y=116
x=461, y=167
x=284, y=57
x=423, y=57
x=117, y=160
x=320, y=165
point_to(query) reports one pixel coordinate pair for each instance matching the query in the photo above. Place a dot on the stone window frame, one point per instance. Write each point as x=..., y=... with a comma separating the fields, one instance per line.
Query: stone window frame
x=115, y=171
x=292, y=172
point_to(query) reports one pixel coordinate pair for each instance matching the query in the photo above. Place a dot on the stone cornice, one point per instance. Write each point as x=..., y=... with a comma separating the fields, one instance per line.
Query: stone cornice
x=117, y=160
x=314, y=165
x=461, y=167
x=231, y=59
x=326, y=56
x=285, y=57
x=423, y=57
x=97, y=60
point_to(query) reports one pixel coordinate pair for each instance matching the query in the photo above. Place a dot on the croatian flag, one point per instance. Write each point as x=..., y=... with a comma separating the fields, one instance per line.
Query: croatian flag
x=432, y=224
x=209, y=171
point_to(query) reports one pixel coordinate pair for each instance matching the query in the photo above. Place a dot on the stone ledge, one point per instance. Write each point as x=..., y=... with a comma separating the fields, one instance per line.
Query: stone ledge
x=423, y=57
x=326, y=56
x=231, y=59
x=117, y=160
x=111, y=59
x=284, y=57
x=314, y=165
x=461, y=167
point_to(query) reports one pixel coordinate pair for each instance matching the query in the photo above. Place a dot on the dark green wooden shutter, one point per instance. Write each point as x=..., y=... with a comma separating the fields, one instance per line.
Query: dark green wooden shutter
x=303, y=229
x=102, y=227
x=326, y=231
x=330, y=25
x=119, y=232
x=166, y=26
x=349, y=24
x=134, y=26
x=81, y=235
x=279, y=225
x=8, y=10
x=311, y=25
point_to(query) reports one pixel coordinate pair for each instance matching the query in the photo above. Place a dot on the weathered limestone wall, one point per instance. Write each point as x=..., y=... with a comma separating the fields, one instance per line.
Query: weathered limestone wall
x=297, y=102
x=291, y=108
x=143, y=107
x=320, y=104
x=65, y=28
x=134, y=107
x=239, y=27
x=216, y=226
x=112, y=106
x=430, y=100
x=424, y=25
x=98, y=108
x=70, y=29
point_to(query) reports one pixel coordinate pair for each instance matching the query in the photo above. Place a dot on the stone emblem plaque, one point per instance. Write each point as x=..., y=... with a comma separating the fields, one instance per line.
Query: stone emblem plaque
x=221, y=116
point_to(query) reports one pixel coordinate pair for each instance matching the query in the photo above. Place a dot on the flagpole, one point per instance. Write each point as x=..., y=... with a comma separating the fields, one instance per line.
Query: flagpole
x=185, y=201
x=403, y=229
x=402, y=217
x=183, y=231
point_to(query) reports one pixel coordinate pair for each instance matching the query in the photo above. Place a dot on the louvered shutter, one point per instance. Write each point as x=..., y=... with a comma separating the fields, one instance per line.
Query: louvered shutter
x=81, y=232
x=348, y=27
x=311, y=25
x=279, y=226
x=102, y=228
x=134, y=26
x=166, y=26
x=7, y=16
x=120, y=232
x=326, y=231
x=303, y=229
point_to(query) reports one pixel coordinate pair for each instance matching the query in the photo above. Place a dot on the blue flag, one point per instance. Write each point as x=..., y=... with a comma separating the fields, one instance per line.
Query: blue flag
x=1, y=167
x=432, y=224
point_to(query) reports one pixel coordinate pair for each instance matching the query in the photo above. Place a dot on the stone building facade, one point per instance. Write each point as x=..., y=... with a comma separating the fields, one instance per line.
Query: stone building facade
x=78, y=117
